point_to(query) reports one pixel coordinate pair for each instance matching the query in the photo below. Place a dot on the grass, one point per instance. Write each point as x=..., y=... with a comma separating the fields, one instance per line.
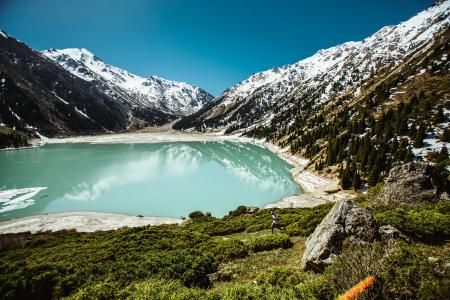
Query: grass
x=248, y=268
x=175, y=262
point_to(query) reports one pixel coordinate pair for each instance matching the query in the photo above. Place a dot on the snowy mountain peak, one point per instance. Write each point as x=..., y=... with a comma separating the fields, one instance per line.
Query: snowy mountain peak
x=75, y=53
x=176, y=98
x=339, y=65
x=3, y=34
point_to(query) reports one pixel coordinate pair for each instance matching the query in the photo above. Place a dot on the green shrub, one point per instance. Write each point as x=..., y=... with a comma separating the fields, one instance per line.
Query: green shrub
x=58, y=264
x=226, y=250
x=355, y=263
x=255, y=228
x=281, y=276
x=270, y=242
x=238, y=211
x=409, y=274
x=250, y=291
x=219, y=227
x=426, y=223
x=103, y=290
x=315, y=288
x=160, y=289
x=198, y=216
x=308, y=221
x=261, y=220
x=402, y=271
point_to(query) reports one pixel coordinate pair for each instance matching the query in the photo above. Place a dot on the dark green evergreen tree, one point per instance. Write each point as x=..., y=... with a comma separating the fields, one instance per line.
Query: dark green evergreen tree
x=419, y=136
x=356, y=181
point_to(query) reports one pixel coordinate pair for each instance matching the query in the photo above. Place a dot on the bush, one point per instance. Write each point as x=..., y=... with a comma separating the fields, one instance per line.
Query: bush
x=248, y=291
x=54, y=265
x=160, y=289
x=238, y=211
x=402, y=272
x=261, y=220
x=409, y=274
x=198, y=216
x=102, y=290
x=281, y=276
x=219, y=227
x=426, y=223
x=270, y=242
x=255, y=228
x=308, y=221
x=355, y=263
x=315, y=288
x=226, y=250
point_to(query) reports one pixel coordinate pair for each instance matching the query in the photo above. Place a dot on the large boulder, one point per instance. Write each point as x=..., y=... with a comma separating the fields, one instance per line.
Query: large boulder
x=345, y=220
x=413, y=183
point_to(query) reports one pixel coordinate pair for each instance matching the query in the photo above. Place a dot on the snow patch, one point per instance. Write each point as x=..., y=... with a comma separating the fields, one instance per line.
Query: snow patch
x=60, y=99
x=18, y=198
x=82, y=113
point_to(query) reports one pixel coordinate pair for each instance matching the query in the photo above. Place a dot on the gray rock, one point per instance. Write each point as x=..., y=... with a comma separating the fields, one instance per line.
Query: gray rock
x=345, y=220
x=251, y=209
x=219, y=276
x=389, y=232
x=414, y=183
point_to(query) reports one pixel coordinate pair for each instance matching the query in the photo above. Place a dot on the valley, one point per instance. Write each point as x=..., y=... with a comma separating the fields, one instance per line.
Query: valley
x=324, y=178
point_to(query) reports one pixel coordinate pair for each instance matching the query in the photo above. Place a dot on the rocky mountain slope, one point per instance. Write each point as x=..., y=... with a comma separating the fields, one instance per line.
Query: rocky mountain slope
x=322, y=77
x=175, y=98
x=361, y=105
x=38, y=95
x=41, y=97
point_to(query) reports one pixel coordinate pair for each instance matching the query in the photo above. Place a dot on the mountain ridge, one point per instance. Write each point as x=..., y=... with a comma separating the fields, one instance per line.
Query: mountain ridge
x=39, y=97
x=325, y=73
x=369, y=106
x=173, y=97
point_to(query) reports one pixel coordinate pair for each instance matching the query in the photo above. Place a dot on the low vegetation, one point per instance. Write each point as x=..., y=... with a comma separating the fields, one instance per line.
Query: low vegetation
x=235, y=257
x=10, y=138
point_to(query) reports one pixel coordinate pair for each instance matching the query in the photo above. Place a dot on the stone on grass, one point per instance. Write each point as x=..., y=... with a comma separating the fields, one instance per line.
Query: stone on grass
x=345, y=220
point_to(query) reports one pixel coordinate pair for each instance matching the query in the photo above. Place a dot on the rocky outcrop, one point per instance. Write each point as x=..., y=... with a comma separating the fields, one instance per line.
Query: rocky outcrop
x=412, y=183
x=345, y=220
x=389, y=232
x=251, y=210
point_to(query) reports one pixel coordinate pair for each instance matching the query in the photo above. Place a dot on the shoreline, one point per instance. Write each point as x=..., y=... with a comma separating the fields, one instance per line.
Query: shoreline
x=316, y=189
x=81, y=221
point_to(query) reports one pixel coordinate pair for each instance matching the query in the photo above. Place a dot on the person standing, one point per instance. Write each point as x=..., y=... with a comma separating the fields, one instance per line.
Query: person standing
x=275, y=220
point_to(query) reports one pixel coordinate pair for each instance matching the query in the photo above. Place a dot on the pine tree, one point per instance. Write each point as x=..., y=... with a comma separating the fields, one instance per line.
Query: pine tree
x=346, y=178
x=356, y=182
x=443, y=155
x=374, y=177
x=419, y=136
x=445, y=137
x=439, y=117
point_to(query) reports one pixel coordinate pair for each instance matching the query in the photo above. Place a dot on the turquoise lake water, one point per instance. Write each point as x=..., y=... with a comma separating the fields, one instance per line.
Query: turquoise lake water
x=164, y=179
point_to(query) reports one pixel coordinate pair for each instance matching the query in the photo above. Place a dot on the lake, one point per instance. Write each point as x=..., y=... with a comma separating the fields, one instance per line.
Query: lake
x=163, y=179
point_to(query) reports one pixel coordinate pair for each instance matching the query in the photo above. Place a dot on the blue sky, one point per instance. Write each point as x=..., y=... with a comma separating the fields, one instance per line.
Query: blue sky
x=210, y=43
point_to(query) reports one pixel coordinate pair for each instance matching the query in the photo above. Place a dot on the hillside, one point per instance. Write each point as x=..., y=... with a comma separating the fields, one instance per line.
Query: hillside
x=357, y=108
x=235, y=257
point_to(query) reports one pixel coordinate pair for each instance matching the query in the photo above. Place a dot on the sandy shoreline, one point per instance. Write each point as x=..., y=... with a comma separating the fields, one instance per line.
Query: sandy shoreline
x=316, y=188
x=81, y=221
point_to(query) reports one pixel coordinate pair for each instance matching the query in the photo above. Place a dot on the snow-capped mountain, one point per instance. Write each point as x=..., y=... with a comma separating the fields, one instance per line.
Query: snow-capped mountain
x=322, y=77
x=39, y=97
x=171, y=97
